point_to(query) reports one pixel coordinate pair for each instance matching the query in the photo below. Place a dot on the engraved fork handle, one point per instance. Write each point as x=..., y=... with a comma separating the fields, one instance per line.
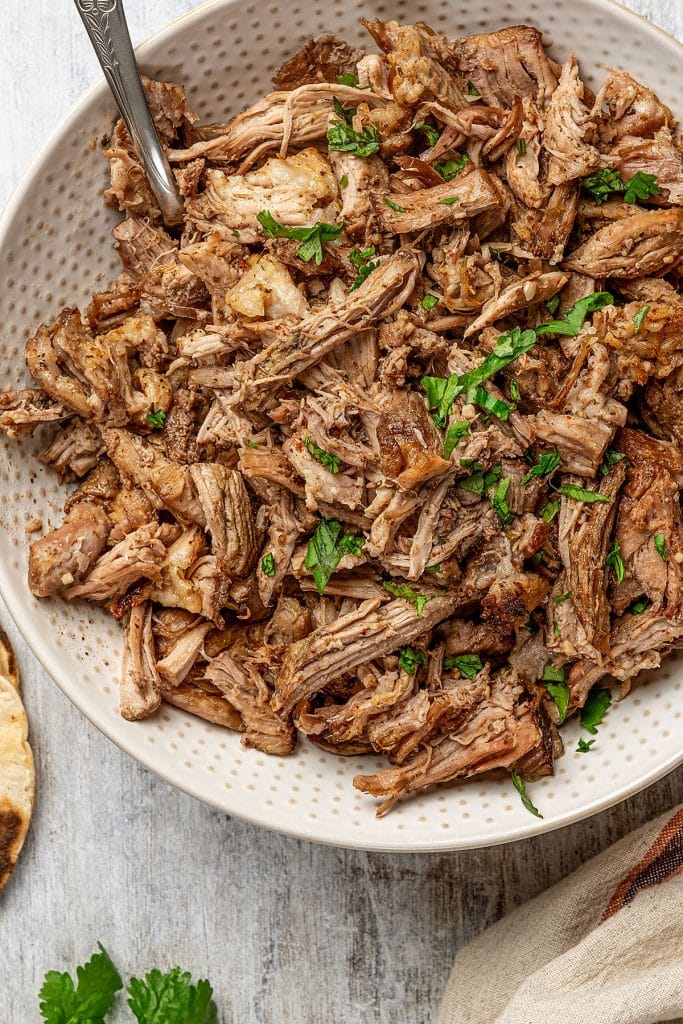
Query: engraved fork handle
x=105, y=23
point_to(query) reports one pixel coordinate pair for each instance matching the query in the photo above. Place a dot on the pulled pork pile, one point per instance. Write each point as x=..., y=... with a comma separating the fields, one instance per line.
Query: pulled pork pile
x=384, y=445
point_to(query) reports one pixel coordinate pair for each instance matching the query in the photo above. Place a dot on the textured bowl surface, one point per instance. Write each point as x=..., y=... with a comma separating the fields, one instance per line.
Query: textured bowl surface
x=55, y=249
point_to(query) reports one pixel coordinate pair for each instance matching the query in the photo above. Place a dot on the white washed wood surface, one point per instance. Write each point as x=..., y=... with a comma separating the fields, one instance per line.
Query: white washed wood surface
x=289, y=933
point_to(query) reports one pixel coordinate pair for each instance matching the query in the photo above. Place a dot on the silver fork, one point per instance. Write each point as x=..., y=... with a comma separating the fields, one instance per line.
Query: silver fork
x=105, y=23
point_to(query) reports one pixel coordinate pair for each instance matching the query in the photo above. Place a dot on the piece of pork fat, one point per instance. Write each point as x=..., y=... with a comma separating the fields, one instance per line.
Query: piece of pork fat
x=181, y=656
x=417, y=59
x=497, y=735
x=367, y=632
x=139, y=695
x=650, y=508
x=22, y=411
x=409, y=444
x=545, y=232
x=138, y=556
x=321, y=59
x=584, y=531
x=570, y=129
x=320, y=483
x=635, y=247
x=166, y=484
x=246, y=689
x=380, y=295
x=472, y=194
x=506, y=64
x=366, y=182
x=228, y=514
x=523, y=294
x=67, y=554
x=637, y=643
x=281, y=119
x=74, y=450
x=298, y=191
x=660, y=156
x=633, y=109
x=47, y=358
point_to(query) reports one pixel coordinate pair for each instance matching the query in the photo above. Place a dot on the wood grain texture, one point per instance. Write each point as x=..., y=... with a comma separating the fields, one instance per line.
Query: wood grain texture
x=288, y=932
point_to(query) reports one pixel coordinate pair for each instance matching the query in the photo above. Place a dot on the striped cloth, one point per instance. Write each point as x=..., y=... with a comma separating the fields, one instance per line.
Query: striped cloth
x=604, y=946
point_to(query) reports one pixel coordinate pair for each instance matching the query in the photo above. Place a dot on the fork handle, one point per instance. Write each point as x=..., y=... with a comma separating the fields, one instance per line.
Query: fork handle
x=105, y=23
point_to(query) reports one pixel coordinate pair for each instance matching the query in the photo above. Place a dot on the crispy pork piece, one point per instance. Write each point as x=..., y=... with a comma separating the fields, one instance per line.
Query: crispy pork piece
x=206, y=703
x=660, y=156
x=661, y=406
x=409, y=444
x=506, y=64
x=46, y=354
x=366, y=182
x=545, y=231
x=632, y=108
x=643, y=244
x=139, y=695
x=418, y=60
x=321, y=59
x=522, y=294
x=651, y=345
x=66, y=555
x=183, y=652
x=247, y=690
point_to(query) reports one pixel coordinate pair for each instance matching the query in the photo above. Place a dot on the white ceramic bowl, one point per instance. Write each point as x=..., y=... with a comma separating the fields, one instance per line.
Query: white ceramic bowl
x=55, y=249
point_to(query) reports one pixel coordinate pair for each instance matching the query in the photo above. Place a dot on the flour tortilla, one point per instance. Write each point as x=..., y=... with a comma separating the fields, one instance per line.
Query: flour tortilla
x=16, y=766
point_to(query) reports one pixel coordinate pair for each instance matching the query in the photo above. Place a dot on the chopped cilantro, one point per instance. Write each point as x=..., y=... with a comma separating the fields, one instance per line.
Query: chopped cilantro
x=595, y=709
x=602, y=184
x=489, y=403
x=615, y=561
x=553, y=673
x=449, y=169
x=553, y=304
x=641, y=186
x=559, y=691
x=468, y=665
x=327, y=547
x=394, y=206
x=344, y=180
x=639, y=317
x=639, y=606
x=521, y=146
x=410, y=659
x=342, y=138
x=499, y=503
x=408, y=594
x=268, y=564
x=581, y=494
x=456, y=431
x=610, y=458
x=429, y=301
x=561, y=598
x=547, y=464
x=311, y=239
x=660, y=547
x=327, y=459
x=480, y=482
x=156, y=420
x=472, y=89
x=520, y=786
x=514, y=391
x=572, y=321
x=364, y=264
x=430, y=131
x=549, y=511
x=348, y=78
x=583, y=746
x=448, y=201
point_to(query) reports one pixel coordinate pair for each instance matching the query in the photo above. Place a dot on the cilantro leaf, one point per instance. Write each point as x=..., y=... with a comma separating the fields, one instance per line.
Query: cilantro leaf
x=268, y=564
x=553, y=673
x=583, y=746
x=561, y=598
x=509, y=347
x=489, y=403
x=610, y=458
x=639, y=317
x=547, y=464
x=639, y=606
x=572, y=321
x=455, y=433
x=362, y=261
x=342, y=138
x=429, y=131
x=408, y=594
x=327, y=459
x=345, y=114
x=499, y=503
x=559, y=692
x=429, y=301
x=468, y=665
x=311, y=239
x=520, y=786
x=326, y=548
x=171, y=999
x=449, y=169
x=394, y=206
x=553, y=304
x=581, y=494
x=521, y=146
x=86, y=1003
x=410, y=659
x=156, y=420
x=472, y=89
x=348, y=78
x=615, y=561
x=595, y=709
x=515, y=393
x=549, y=511
x=448, y=201
x=480, y=482
x=660, y=546
x=602, y=184
x=641, y=186
x=441, y=393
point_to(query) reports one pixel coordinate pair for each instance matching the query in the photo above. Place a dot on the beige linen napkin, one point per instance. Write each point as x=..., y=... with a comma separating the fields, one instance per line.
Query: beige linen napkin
x=604, y=946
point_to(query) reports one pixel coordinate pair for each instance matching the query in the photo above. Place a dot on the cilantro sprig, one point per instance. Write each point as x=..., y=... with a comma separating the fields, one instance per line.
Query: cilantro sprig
x=601, y=185
x=312, y=239
x=327, y=547
x=411, y=658
x=573, y=320
x=468, y=665
x=547, y=464
x=343, y=138
x=449, y=169
x=615, y=561
x=156, y=420
x=582, y=494
x=327, y=459
x=595, y=709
